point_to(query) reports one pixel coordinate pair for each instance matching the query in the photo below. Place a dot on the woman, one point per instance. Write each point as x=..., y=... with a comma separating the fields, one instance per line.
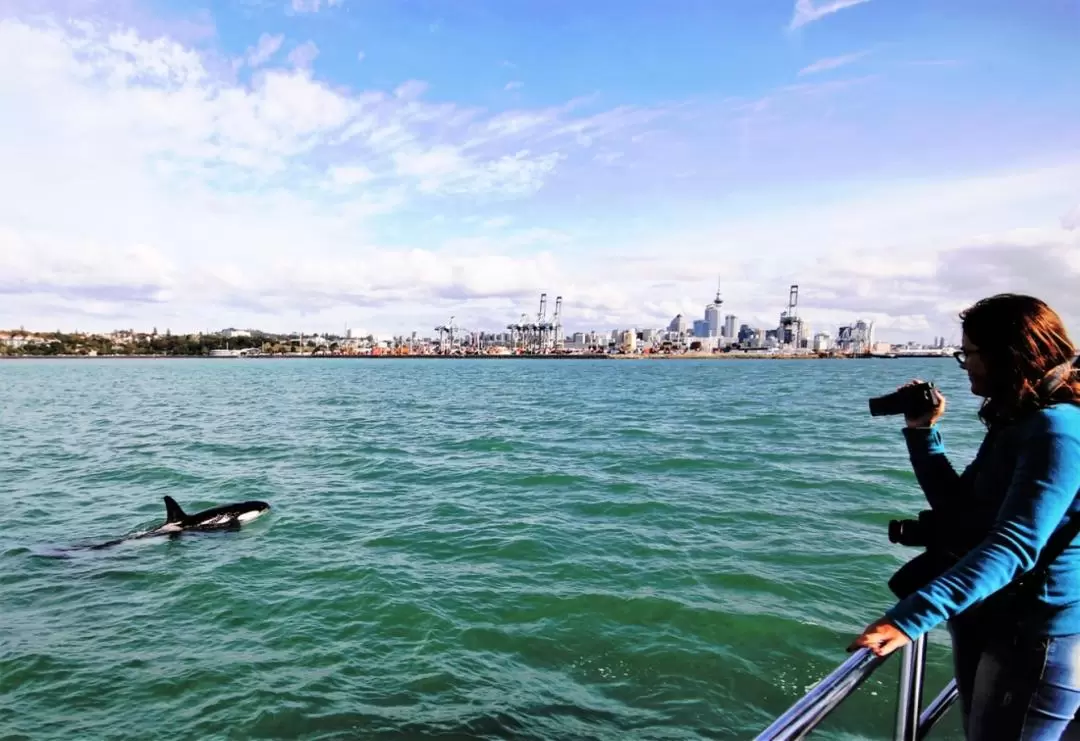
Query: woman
x=1017, y=655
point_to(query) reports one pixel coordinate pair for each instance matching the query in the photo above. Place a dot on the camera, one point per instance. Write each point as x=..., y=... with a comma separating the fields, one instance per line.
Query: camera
x=939, y=555
x=944, y=536
x=912, y=532
x=911, y=401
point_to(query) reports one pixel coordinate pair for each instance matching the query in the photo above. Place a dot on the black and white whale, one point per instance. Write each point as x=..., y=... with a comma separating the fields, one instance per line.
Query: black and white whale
x=224, y=517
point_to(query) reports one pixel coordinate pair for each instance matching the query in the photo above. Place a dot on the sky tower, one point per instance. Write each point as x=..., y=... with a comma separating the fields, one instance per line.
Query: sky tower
x=712, y=313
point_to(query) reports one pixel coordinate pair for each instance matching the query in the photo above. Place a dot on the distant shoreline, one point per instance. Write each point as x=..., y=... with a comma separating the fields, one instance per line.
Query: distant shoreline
x=582, y=356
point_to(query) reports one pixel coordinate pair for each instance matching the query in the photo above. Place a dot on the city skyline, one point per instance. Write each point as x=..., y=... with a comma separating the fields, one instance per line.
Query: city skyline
x=297, y=163
x=729, y=330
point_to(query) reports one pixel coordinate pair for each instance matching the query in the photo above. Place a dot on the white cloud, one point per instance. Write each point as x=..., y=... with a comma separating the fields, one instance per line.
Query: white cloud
x=514, y=85
x=609, y=158
x=142, y=187
x=360, y=56
x=266, y=47
x=411, y=90
x=290, y=269
x=1071, y=220
x=507, y=241
x=304, y=54
x=350, y=175
x=312, y=6
x=908, y=255
x=808, y=11
x=195, y=199
x=154, y=99
x=935, y=287
x=446, y=169
x=831, y=63
x=435, y=163
x=157, y=99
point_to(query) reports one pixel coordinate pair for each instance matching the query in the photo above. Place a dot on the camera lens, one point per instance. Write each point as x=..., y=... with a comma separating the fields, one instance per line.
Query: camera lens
x=896, y=527
x=905, y=532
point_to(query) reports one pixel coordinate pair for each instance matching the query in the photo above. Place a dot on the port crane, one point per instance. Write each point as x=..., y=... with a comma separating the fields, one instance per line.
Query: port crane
x=543, y=328
x=790, y=323
x=556, y=326
x=454, y=337
x=448, y=331
x=541, y=335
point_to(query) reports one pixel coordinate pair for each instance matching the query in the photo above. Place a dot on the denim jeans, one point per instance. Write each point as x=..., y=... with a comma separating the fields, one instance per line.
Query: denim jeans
x=1023, y=690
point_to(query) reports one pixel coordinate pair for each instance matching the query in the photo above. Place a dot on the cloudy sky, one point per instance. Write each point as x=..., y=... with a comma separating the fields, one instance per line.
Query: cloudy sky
x=314, y=164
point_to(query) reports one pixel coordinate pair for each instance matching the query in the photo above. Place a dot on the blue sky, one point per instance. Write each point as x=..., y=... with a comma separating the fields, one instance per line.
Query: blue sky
x=311, y=164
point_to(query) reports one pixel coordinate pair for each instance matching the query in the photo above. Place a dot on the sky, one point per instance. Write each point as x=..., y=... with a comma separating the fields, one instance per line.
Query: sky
x=383, y=165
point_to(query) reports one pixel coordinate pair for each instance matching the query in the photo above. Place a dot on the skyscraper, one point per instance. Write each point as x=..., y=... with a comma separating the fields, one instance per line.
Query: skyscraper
x=729, y=326
x=712, y=314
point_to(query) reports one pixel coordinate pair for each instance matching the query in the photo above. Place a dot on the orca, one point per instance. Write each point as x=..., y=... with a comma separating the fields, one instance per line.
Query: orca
x=224, y=517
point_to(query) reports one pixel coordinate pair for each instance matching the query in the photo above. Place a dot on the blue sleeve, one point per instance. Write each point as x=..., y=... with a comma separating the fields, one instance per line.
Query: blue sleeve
x=1044, y=484
x=923, y=442
x=936, y=476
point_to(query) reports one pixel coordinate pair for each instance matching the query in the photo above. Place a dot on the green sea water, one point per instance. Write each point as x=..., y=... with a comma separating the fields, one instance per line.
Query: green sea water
x=457, y=550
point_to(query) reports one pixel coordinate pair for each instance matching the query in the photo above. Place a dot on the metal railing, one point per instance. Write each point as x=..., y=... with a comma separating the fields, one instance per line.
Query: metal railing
x=824, y=697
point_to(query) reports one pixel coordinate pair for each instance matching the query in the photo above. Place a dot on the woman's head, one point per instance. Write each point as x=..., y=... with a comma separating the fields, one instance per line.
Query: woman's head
x=1010, y=343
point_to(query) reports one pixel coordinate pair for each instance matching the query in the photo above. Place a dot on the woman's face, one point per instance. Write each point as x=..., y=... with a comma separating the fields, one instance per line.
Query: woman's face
x=976, y=369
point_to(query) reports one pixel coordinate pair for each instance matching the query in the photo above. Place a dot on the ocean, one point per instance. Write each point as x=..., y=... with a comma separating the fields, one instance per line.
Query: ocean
x=456, y=549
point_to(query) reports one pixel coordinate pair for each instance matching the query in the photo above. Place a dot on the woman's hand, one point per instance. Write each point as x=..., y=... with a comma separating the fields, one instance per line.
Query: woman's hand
x=881, y=637
x=926, y=420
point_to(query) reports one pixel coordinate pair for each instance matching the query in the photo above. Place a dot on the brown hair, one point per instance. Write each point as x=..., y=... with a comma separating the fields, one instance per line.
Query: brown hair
x=1020, y=341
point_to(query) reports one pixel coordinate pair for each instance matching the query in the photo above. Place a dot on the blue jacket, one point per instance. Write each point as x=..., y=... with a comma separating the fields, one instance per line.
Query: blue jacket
x=1023, y=484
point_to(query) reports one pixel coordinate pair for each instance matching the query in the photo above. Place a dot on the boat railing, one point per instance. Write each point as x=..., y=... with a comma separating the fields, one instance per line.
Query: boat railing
x=913, y=722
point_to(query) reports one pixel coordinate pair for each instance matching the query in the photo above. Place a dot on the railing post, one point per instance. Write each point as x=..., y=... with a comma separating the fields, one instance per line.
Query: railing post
x=937, y=708
x=909, y=690
x=824, y=697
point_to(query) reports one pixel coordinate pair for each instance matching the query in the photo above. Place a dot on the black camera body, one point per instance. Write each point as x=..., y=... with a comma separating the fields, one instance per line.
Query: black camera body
x=924, y=532
x=913, y=533
x=944, y=536
x=911, y=401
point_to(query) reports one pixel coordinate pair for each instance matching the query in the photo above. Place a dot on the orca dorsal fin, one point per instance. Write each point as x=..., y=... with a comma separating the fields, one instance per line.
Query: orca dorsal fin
x=173, y=513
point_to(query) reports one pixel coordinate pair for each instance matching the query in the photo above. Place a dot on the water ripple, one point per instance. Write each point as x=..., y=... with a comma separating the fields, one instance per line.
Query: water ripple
x=466, y=550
